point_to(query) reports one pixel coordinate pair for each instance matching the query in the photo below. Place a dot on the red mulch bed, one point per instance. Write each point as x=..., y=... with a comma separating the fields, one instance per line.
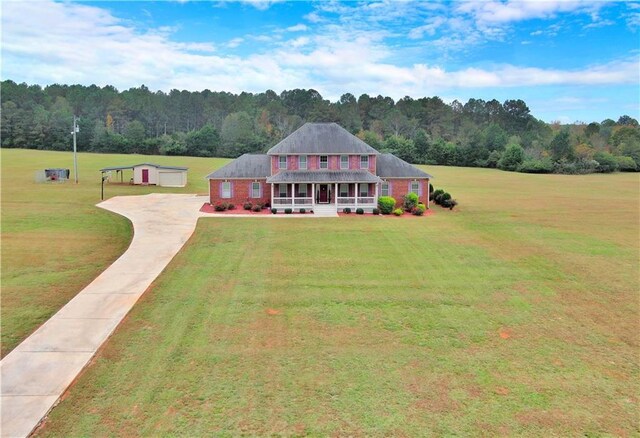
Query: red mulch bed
x=208, y=208
x=426, y=213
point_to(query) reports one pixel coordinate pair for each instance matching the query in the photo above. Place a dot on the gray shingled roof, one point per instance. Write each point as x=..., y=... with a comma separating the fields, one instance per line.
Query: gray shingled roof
x=390, y=166
x=107, y=169
x=321, y=138
x=325, y=176
x=245, y=166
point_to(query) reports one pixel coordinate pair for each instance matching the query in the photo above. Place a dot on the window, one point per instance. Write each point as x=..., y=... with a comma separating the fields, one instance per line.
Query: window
x=364, y=190
x=302, y=191
x=344, y=161
x=364, y=161
x=282, y=190
x=324, y=162
x=282, y=162
x=226, y=189
x=302, y=162
x=384, y=189
x=415, y=187
x=344, y=190
x=255, y=190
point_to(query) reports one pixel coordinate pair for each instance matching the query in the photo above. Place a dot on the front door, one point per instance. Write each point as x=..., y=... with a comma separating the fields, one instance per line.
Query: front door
x=324, y=194
x=145, y=176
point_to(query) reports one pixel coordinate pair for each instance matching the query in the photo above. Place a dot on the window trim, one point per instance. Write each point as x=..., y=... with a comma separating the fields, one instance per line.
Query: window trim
x=388, y=188
x=222, y=191
x=280, y=157
x=253, y=188
x=366, y=158
x=417, y=191
x=346, y=163
x=306, y=162
x=326, y=163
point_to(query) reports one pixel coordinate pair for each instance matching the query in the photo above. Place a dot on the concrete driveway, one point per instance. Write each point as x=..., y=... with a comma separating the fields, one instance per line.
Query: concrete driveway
x=36, y=373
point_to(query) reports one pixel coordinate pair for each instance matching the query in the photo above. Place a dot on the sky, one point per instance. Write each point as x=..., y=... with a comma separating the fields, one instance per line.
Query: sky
x=568, y=60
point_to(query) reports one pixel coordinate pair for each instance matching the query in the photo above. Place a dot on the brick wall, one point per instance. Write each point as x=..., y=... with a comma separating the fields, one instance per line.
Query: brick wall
x=400, y=187
x=240, y=191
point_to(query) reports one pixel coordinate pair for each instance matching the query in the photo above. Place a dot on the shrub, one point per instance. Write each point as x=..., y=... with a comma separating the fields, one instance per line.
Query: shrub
x=247, y=206
x=288, y=211
x=303, y=211
x=626, y=164
x=512, y=157
x=410, y=201
x=256, y=208
x=435, y=196
x=375, y=211
x=419, y=209
x=346, y=210
x=359, y=211
x=231, y=206
x=398, y=212
x=220, y=206
x=445, y=197
x=450, y=203
x=262, y=205
x=274, y=210
x=386, y=204
x=430, y=188
x=607, y=163
x=267, y=204
x=536, y=166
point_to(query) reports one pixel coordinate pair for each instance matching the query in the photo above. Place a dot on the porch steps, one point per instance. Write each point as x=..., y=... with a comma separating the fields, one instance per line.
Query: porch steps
x=325, y=210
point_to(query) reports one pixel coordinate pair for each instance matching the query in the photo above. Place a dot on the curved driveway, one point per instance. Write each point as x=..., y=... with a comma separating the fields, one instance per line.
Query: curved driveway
x=36, y=373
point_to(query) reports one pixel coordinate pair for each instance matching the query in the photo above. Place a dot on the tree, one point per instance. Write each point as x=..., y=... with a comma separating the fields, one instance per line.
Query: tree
x=401, y=147
x=511, y=158
x=237, y=134
x=606, y=162
x=135, y=135
x=203, y=143
x=627, y=121
x=560, y=146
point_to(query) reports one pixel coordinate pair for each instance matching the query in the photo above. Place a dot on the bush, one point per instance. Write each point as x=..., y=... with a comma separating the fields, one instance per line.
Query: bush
x=274, y=211
x=386, y=204
x=444, y=198
x=346, y=210
x=435, y=196
x=410, y=201
x=398, y=212
x=575, y=167
x=450, y=203
x=266, y=205
x=430, y=188
x=375, y=211
x=288, y=211
x=536, y=166
x=607, y=163
x=359, y=211
x=256, y=208
x=303, y=211
x=231, y=206
x=512, y=157
x=247, y=206
x=419, y=209
x=626, y=164
x=220, y=206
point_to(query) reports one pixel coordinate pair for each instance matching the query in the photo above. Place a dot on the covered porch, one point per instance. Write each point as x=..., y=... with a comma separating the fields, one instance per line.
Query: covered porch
x=324, y=188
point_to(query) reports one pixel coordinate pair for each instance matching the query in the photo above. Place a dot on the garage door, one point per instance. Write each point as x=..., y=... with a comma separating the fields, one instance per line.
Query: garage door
x=171, y=179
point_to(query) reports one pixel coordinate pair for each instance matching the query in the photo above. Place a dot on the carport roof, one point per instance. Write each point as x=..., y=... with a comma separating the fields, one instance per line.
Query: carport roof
x=107, y=169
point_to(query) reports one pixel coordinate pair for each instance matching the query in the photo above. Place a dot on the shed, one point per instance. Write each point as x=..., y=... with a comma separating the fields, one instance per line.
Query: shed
x=152, y=174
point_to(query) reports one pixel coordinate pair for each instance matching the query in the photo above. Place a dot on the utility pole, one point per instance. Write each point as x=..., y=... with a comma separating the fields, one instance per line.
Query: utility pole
x=76, y=129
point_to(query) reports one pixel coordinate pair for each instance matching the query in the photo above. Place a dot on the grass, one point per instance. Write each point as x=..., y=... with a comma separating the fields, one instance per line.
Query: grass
x=54, y=240
x=516, y=314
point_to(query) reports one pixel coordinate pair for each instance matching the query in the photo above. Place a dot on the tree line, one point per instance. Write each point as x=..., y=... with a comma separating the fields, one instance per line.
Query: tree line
x=207, y=123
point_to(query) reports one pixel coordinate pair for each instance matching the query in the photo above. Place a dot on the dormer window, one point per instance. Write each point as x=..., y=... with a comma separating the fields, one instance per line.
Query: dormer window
x=324, y=162
x=302, y=162
x=344, y=162
x=282, y=162
x=364, y=161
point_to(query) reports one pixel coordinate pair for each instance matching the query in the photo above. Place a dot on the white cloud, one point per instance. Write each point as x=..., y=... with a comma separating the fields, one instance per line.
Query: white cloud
x=49, y=42
x=297, y=28
x=235, y=42
x=260, y=4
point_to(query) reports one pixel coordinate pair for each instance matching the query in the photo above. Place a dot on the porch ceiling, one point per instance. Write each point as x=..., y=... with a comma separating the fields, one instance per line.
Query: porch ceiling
x=329, y=176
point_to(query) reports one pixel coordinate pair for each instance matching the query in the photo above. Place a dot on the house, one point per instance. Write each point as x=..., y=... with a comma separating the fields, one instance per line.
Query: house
x=151, y=174
x=320, y=163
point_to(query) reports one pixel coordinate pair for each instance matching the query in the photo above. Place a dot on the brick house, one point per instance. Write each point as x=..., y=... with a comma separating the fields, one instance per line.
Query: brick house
x=319, y=163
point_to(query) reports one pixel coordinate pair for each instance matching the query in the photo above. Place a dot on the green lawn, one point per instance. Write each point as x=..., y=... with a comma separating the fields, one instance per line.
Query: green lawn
x=516, y=314
x=54, y=240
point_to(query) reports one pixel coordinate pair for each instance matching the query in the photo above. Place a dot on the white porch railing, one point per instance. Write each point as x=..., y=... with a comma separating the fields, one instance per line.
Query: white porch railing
x=350, y=200
x=346, y=201
x=366, y=200
x=303, y=201
x=282, y=201
x=298, y=202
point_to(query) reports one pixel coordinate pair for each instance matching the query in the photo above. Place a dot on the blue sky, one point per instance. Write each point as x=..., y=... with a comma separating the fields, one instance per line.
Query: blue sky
x=569, y=60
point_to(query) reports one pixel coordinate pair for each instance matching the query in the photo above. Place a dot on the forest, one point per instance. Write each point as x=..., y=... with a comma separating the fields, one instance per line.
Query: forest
x=207, y=123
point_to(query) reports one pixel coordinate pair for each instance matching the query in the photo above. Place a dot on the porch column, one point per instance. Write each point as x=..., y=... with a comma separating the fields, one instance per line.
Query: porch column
x=375, y=199
x=293, y=195
x=356, y=193
x=336, y=194
x=271, y=201
x=313, y=194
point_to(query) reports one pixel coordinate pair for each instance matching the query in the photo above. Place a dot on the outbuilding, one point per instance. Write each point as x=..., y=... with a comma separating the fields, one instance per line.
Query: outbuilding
x=150, y=174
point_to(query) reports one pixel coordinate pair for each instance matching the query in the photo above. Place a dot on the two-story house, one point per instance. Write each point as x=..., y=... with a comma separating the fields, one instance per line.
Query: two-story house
x=319, y=163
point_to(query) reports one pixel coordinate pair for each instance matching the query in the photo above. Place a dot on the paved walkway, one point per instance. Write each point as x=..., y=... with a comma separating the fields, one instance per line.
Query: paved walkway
x=36, y=373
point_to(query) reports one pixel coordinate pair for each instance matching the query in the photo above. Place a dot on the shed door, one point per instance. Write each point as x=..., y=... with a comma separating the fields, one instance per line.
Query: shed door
x=145, y=176
x=170, y=179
